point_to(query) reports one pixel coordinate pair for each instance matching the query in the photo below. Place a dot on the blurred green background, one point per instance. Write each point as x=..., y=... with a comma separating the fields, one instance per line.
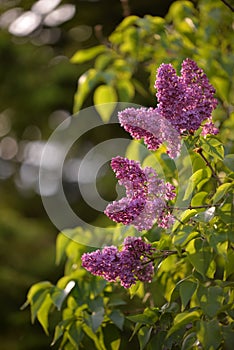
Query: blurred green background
x=38, y=83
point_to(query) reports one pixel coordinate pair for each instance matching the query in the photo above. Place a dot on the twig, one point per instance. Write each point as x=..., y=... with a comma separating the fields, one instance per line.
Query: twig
x=228, y=5
x=200, y=151
x=126, y=8
x=195, y=206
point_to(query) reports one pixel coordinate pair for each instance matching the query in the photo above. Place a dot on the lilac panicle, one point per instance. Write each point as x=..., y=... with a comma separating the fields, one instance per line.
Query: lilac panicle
x=187, y=100
x=130, y=264
x=147, y=123
x=146, y=196
x=184, y=104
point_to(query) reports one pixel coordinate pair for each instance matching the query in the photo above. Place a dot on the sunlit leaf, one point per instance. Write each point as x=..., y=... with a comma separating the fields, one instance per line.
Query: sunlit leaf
x=213, y=147
x=228, y=337
x=181, y=238
x=136, y=151
x=75, y=334
x=229, y=264
x=62, y=242
x=82, y=56
x=199, y=198
x=183, y=319
x=210, y=299
x=104, y=99
x=221, y=191
x=143, y=336
x=125, y=90
x=88, y=331
x=209, y=334
x=60, y=329
x=149, y=317
x=43, y=313
x=186, y=290
x=198, y=176
x=58, y=295
x=199, y=255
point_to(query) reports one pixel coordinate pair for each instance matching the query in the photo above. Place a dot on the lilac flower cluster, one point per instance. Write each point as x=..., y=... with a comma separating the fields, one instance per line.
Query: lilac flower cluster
x=146, y=196
x=184, y=103
x=147, y=123
x=130, y=264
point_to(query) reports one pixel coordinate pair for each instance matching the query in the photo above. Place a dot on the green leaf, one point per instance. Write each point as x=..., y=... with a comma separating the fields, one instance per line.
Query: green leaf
x=117, y=318
x=213, y=147
x=36, y=297
x=97, y=318
x=103, y=61
x=189, y=341
x=86, y=84
x=38, y=287
x=206, y=215
x=228, y=337
x=58, y=295
x=157, y=342
x=43, y=313
x=226, y=210
x=60, y=329
x=229, y=264
x=185, y=216
x=221, y=191
x=199, y=255
x=125, y=90
x=210, y=299
x=183, y=319
x=136, y=289
x=209, y=334
x=144, y=336
x=62, y=242
x=149, y=316
x=199, y=198
x=229, y=161
x=75, y=334
x=136, y=151
x=88, y=331
x=127, y=22
x=222, y=86
x=186, y=290
x=37, y=303
x=82, y=56
x=57, y=334
x=181, y=238
x=199, y=175
x=112, y=337
x=104, y=99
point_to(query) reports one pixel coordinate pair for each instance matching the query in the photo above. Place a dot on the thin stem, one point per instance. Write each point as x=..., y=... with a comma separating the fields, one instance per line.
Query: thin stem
x=228, y=5
x=160, y=254
x=126, y=8
x=195, y=206
x=200, y=151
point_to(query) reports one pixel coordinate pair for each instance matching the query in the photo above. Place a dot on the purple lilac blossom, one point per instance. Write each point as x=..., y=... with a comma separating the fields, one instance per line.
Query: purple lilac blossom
x=187, y=100
x=184, y=103
x=146, y=196
x=148, y=124
x=130, y=264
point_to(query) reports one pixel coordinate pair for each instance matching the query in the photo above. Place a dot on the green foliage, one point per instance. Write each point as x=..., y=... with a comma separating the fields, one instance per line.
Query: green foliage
x=189, y=304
